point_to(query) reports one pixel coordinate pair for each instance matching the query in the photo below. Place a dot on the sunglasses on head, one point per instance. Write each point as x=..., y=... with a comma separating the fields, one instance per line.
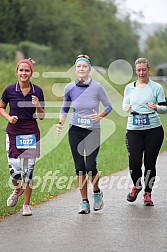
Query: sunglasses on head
x=83, y=56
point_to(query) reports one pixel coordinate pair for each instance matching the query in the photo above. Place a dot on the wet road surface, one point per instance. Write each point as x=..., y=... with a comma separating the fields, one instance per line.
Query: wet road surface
x=120, y=227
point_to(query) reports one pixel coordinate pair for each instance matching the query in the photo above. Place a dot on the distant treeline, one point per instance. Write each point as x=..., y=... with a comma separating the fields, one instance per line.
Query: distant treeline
x=65, y=28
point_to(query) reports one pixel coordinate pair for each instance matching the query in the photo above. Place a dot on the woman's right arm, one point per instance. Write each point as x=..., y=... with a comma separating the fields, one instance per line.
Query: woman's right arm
x=64, y=111
x=126, y=102
x=10, y=119
x=59, y=125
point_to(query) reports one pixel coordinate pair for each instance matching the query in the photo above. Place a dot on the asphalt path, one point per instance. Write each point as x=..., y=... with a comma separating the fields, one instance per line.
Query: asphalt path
x=120, y=227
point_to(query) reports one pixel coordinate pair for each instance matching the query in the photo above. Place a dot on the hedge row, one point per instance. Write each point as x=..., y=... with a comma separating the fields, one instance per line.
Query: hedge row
x=41, y=54
x=7, y=52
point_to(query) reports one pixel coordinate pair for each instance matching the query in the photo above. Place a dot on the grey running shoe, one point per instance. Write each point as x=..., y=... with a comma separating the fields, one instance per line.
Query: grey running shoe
x=98, y=201
x=84, y=208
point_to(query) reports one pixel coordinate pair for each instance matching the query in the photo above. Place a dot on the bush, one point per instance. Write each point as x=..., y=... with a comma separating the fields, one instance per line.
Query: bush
x=7, y=52
x=40, y=53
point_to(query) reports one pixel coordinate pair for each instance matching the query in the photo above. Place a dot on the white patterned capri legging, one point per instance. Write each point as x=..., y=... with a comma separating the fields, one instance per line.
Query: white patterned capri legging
x=20, y=168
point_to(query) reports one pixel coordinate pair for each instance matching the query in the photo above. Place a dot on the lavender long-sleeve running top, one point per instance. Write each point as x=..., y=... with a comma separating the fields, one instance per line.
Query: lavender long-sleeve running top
x=84, y=100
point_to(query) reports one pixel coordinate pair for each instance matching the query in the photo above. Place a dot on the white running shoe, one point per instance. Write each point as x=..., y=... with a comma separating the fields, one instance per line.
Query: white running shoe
x=13, y=198
x=26, y=210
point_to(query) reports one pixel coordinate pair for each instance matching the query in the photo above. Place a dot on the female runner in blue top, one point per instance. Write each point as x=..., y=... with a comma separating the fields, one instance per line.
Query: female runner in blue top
x=26, y=102
x=85, y=95
x=143, y=100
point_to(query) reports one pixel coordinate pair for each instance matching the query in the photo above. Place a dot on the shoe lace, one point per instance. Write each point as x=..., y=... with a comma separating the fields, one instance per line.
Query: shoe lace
x=134, y=191
x=26, y=208
x=96, y=197
x=14, y=196
x=84, y=204
x=147, y=197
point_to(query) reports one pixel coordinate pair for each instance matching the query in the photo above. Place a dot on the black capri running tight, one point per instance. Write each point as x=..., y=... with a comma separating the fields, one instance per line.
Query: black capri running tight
x=85, y=145
x=147, y=143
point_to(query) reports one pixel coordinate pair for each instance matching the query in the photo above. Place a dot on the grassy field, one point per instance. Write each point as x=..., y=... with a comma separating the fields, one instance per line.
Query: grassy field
x=54, y=171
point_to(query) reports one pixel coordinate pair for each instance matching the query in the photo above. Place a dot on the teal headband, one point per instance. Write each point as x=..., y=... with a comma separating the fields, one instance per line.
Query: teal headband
x=84, y=59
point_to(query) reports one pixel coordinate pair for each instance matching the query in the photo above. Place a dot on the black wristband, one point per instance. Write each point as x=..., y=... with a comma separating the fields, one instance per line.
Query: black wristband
x=162, y=103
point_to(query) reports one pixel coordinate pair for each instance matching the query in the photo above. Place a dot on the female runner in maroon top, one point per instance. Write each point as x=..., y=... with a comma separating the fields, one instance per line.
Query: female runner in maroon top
x=26, y=104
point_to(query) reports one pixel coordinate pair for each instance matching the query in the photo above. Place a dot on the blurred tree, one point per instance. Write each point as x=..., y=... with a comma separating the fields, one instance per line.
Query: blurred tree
x=70, y=27
x=12, y=22
x=156, y=47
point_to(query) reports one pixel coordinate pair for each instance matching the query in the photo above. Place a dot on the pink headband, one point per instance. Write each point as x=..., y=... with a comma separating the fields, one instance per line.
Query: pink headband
x=27, y=62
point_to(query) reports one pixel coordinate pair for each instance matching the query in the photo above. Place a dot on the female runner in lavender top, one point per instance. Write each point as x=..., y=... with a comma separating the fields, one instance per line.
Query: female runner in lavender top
x=26, y=104
x=85, y=95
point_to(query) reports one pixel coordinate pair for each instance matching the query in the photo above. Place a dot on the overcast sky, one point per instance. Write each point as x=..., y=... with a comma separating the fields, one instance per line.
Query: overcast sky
x=154, y=11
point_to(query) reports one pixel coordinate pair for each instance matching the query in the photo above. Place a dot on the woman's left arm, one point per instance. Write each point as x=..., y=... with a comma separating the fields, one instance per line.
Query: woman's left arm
x=103, y=97
x=160, y=107
x=39, y=109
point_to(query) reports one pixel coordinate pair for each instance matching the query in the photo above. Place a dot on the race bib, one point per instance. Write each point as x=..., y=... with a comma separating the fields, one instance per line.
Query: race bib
x=141, y=120
x=26, y=141
x=83, y=121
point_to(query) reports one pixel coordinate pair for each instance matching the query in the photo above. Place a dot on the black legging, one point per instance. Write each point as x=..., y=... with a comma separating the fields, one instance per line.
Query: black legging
x=84, y=141
x=147, y=143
